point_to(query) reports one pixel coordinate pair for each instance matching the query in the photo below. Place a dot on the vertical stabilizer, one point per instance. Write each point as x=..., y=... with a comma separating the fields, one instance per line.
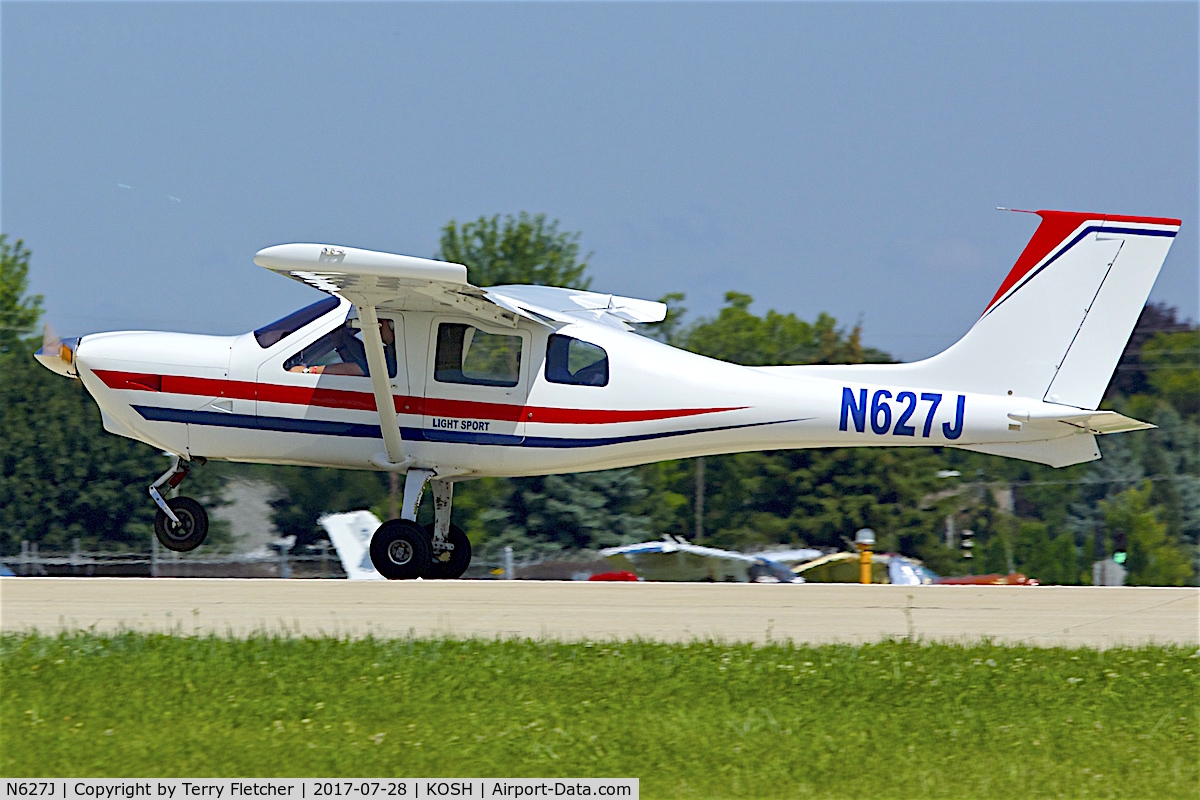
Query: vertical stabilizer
x=351, y=536
x=1056, y=327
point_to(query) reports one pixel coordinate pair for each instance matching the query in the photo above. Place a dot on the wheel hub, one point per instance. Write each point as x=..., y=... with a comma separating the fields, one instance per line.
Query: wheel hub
x=183, y=529
x=400, y=552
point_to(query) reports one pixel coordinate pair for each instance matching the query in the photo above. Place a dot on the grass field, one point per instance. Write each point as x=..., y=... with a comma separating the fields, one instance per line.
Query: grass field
x=700, y=720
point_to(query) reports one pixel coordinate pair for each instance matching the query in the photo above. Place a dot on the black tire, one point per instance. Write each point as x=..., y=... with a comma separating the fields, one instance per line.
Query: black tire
x=449, y=564
x=191, y=530
x=400, y=550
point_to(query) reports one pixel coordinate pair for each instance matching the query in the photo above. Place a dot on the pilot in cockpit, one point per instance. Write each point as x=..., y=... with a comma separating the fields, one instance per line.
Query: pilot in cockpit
x=342, y=352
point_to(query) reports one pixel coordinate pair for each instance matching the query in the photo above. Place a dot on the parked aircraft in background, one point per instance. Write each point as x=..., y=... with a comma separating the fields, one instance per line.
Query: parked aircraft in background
x=676, y=559
x=406, y=367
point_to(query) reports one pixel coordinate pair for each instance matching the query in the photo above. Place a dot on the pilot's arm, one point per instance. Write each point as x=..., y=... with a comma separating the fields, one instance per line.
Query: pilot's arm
x=354, y=354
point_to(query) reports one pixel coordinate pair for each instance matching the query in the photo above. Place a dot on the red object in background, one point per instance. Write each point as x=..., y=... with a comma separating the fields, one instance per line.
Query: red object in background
x=1012, y=579
x=622, y=575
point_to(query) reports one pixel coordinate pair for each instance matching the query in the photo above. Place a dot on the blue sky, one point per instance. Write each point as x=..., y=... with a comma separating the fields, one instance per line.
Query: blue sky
x=840, y=157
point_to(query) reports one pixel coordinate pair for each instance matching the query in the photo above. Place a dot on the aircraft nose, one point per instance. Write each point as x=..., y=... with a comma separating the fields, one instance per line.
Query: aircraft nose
x=58, y=355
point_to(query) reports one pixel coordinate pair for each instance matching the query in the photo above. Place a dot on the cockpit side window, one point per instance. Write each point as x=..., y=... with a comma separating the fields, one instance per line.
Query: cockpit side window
x=575, y=362
x=272, y=334
x=342, y=352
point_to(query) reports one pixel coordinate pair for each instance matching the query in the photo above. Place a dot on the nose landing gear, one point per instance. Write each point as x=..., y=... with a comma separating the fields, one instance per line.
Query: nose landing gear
x=181, y=523
x=401, y=549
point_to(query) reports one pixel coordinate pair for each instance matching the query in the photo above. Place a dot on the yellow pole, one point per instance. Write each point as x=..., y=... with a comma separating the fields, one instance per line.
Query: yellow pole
x=864, y=562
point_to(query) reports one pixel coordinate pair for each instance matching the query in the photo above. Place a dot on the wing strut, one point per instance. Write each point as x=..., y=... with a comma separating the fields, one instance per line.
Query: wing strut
x=389, y=423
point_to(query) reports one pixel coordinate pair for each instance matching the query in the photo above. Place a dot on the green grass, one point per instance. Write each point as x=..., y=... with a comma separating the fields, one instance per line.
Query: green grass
x=700, y=720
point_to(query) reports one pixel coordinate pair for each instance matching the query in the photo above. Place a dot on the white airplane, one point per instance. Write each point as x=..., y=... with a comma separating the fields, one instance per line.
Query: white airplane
x=406, y=367
x=676, y=559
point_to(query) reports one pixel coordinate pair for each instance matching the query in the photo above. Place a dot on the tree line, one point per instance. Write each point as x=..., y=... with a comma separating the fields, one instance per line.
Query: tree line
x=63, y=477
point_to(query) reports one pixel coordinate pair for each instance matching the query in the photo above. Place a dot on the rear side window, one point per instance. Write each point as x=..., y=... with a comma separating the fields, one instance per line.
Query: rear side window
x=466, y=354
x=272, y=334
x=575, y=362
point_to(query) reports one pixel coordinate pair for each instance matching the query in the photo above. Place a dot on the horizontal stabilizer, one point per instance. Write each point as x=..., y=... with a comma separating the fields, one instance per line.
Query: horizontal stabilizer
x=1090, y=421
x=1062, y=452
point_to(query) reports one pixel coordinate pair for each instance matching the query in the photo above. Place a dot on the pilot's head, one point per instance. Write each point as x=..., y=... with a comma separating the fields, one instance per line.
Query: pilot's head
x=386, y=332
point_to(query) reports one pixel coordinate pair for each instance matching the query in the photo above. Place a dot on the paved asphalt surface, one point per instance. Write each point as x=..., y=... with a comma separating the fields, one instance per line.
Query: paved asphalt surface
x=814, y=613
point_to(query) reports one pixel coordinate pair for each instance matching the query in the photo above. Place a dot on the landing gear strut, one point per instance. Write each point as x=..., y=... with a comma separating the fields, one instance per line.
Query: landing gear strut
x=181, y=523
x=401, y=549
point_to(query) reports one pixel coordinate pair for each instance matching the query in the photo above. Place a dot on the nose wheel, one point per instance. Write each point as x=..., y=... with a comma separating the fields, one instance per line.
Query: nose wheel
x=188, y=532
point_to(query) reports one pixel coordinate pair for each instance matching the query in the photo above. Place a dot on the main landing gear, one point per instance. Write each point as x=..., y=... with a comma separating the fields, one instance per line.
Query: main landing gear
x=402, y=550
x=181, y=523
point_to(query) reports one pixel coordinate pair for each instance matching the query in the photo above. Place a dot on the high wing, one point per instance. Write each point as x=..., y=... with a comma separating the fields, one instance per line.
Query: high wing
x=405, y=283
x=384, y=280
x=375, y=281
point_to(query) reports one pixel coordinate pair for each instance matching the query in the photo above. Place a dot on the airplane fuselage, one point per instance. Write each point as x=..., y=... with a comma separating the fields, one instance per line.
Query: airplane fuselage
x=229, y=397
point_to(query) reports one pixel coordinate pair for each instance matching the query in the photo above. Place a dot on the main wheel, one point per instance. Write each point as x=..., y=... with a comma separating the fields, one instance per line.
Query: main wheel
x=191, y=530
x=400, y=550
x=452, y=563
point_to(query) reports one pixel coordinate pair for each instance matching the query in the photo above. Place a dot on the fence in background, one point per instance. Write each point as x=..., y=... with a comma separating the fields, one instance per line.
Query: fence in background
x=320, y=561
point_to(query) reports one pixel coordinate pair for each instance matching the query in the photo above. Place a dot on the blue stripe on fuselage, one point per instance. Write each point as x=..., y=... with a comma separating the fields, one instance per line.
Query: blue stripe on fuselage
x=357, y=430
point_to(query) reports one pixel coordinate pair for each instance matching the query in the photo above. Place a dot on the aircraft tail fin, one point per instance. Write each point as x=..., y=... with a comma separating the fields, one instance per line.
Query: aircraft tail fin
x=1056, y=327
x=350, y=534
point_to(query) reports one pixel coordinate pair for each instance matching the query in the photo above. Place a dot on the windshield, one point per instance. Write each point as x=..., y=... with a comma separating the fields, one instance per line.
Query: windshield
x=269, y=335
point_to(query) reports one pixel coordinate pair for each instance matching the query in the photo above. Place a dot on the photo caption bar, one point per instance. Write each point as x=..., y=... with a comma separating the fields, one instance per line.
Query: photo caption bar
x=308, y=788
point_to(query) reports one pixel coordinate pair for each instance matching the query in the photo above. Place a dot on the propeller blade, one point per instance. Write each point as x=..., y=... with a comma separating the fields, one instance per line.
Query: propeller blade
x=57, y=355
x=51, y=343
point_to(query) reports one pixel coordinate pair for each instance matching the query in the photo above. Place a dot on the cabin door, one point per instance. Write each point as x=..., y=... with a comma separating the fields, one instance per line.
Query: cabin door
x=478, y=383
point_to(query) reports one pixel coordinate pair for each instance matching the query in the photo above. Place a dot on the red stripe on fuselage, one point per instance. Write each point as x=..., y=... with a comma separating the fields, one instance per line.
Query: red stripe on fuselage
x=365, y=401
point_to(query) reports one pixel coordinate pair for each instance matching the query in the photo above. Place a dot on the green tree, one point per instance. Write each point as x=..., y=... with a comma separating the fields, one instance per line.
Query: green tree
x=1154, y=558
x=305, y=493
x=1173, y=361
x=544, y=516
x=1035, y=550
x=19, y=312
x=1132, y=377
x=739, y=336
x=525, y=249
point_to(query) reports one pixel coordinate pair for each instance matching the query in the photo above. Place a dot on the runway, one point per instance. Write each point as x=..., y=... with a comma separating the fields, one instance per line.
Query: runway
x=1097, y=617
